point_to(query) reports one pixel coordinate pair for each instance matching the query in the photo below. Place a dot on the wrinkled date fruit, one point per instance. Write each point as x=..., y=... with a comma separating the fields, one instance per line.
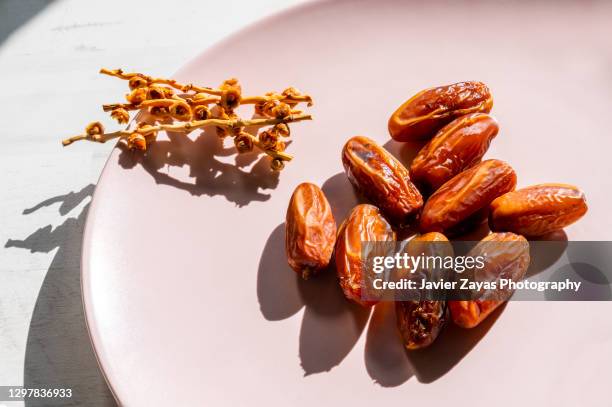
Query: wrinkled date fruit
x=537, y=210
x=364, y=224
x=382, y=179
x=457, y=146
x=310, y=230
x=464, y=195
x=429, y=110
x=420, y=322
x=422, y=245
x=428, y=244
x=506, y=255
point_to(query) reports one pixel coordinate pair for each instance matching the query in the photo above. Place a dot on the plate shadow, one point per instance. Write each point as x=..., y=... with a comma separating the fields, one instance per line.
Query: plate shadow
x=58, y=350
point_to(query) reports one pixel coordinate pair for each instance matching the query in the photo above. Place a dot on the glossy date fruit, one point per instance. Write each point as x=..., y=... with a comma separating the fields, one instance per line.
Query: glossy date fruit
x=428, y=244
x=466, y=195
x=537, y=210
x=457, y=146
x=506, y=256
x=382, y=179
x=429, y=110
x=365, y=223
x=420, y=322
x=310, y=230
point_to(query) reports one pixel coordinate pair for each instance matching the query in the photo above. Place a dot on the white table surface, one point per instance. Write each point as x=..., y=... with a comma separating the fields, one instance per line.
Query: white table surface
x=50, y=54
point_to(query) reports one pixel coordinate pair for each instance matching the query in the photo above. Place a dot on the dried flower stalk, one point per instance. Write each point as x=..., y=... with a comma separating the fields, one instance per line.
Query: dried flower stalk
x=196, y=107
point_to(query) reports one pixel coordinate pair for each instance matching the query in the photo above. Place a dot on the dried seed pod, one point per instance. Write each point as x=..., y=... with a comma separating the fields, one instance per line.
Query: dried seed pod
x=281, y=110
x=277, y=164
x=136, y=82
x=168, y=92
x=230, y=98
x=268, y=139
x=158, y=111
x=156, y=92
x=94, y=129
x=260, y=108
x=221, y=113
x=420, y=322
x=429, y=110
x=137, y=96
x=243, y=142
x=137, y=141
x=232, y=83
x=120, y=115
x=382, y=179
x=201, y=112
x=466, y=195
x=282, y=129
x=180, y=110
x=538, y=210
x=310, y=230
x=457, y=146
x=506, y=255
x=364, y=224
x=266, y=109
x=291, y=92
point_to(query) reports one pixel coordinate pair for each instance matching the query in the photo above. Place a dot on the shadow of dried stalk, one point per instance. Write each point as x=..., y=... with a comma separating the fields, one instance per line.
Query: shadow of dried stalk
x=241, y=182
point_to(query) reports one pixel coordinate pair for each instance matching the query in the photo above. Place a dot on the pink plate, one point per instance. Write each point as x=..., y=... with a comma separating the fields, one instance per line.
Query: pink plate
x=188, y=297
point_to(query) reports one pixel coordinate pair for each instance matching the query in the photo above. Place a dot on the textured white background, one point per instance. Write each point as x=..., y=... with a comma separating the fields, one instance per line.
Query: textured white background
x=50, y=53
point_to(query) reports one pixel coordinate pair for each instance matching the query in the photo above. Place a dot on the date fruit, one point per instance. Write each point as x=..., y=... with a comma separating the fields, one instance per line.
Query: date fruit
x=429, y=110
x=310, y=230
x=506, y=256
x=537, y=210
x=466, y=195
x=365, y=223
x=420, y=322
x=382, y=179
x=457, y=146
x=428, y=244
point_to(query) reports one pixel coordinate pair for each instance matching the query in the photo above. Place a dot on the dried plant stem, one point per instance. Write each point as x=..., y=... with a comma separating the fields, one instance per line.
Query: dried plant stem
x=118, y=73
x=198, y=124
x=204, y=101
x=181, y=108
x=112, y=106
x=282, y=98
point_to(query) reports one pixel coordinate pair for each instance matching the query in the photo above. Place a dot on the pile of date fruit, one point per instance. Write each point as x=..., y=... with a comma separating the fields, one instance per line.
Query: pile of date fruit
x=463, y=192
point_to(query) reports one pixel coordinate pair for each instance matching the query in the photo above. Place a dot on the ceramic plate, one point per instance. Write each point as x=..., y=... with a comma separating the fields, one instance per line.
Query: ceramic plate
x=188, y=297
